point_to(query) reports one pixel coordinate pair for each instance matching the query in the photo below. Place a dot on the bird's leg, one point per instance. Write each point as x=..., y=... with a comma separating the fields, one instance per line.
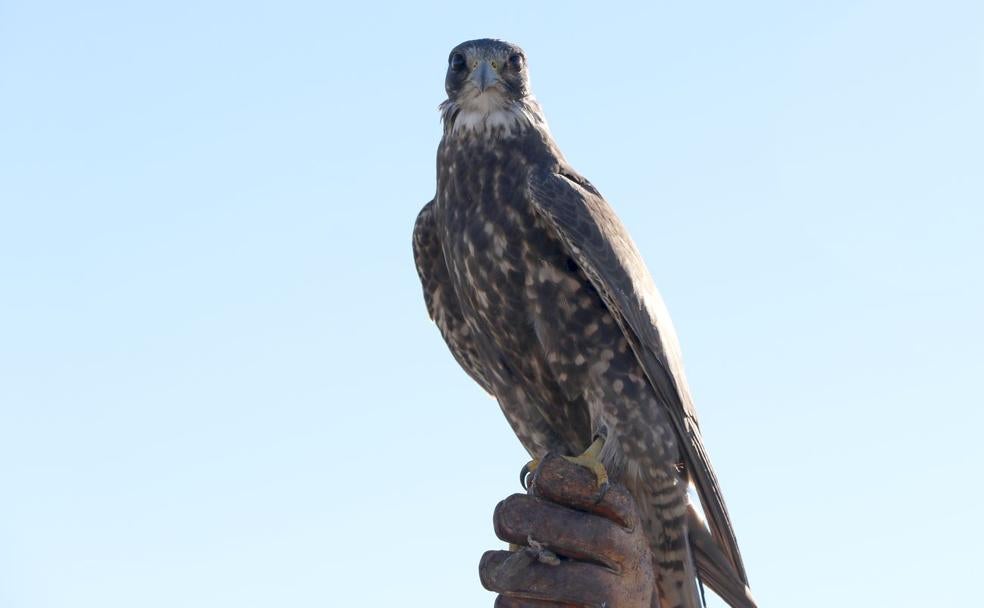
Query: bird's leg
x=591, y=460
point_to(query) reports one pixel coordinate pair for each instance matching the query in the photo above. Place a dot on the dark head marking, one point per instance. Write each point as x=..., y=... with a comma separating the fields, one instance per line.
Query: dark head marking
x=477, y=66
x=488, y=88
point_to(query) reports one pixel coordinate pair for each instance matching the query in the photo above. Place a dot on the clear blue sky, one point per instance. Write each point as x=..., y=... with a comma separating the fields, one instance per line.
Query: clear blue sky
x=218, y=384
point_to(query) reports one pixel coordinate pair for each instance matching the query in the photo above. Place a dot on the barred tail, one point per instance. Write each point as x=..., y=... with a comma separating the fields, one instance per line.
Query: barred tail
x=666, y=507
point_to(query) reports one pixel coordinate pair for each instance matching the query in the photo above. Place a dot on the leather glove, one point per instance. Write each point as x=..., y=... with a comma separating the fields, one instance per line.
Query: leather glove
x=574, y=546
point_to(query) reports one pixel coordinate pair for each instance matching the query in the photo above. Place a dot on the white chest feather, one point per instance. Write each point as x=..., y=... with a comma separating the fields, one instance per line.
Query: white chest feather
x=491, y=112
x=481, y=121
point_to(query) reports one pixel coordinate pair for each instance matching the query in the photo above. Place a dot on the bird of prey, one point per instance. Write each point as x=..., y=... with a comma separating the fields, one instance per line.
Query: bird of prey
x=544, y=300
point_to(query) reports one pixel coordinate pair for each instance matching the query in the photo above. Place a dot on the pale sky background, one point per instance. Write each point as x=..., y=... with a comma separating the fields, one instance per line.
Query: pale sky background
x=218, y=383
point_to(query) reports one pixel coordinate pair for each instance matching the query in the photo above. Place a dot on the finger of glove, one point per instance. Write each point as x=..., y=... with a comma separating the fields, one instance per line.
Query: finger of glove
x=520, y=575
x=504, y=601
x=565, y=531
x=564, y=482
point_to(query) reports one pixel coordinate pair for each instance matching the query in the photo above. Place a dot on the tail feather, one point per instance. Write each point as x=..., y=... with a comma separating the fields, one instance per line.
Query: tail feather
x=713, y=567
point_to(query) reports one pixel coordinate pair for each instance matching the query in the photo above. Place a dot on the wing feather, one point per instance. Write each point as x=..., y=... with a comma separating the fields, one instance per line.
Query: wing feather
x=603, y=248
x=439, y=295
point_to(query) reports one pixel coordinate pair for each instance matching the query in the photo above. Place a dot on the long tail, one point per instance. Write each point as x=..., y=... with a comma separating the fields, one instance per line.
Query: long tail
x=713, y=567
x=663, y=505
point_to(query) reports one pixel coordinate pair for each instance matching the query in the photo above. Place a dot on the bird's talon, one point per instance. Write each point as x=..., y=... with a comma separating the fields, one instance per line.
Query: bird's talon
x=602, y=491
x=526, y=473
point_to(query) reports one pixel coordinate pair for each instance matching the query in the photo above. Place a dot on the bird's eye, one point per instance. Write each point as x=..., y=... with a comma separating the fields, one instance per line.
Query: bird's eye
x=457, y=61
x=516, y=60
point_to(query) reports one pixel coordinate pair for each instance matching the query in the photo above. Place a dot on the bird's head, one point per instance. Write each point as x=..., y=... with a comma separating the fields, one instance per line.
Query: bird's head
x=488, y=86
x=486, y=72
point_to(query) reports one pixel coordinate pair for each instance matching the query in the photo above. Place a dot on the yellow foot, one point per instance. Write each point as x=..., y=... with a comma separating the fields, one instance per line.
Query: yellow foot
x=527, y=471
x=591, y=460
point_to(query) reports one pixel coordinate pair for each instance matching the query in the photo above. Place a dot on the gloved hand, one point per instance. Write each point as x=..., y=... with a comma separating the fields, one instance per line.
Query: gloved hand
x=573, y=549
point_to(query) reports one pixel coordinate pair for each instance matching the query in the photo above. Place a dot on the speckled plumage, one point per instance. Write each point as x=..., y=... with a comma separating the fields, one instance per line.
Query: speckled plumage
x=544, y=300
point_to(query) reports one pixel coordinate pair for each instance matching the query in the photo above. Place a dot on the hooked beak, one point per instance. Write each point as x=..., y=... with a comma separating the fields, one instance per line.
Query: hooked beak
x=484, y=76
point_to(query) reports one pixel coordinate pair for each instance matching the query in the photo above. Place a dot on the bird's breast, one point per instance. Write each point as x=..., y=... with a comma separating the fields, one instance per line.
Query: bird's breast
x=488, y=231
x=494, y=244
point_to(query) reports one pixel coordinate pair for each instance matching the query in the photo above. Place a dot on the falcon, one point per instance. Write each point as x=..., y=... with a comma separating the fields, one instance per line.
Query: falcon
x=545, y=301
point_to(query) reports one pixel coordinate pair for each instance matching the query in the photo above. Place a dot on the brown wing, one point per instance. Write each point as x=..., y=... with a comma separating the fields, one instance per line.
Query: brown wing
x=439, y=295
x=601, y=245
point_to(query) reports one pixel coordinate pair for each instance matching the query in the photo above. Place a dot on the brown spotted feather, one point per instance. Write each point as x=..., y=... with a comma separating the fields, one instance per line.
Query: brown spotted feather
x=544, y=300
